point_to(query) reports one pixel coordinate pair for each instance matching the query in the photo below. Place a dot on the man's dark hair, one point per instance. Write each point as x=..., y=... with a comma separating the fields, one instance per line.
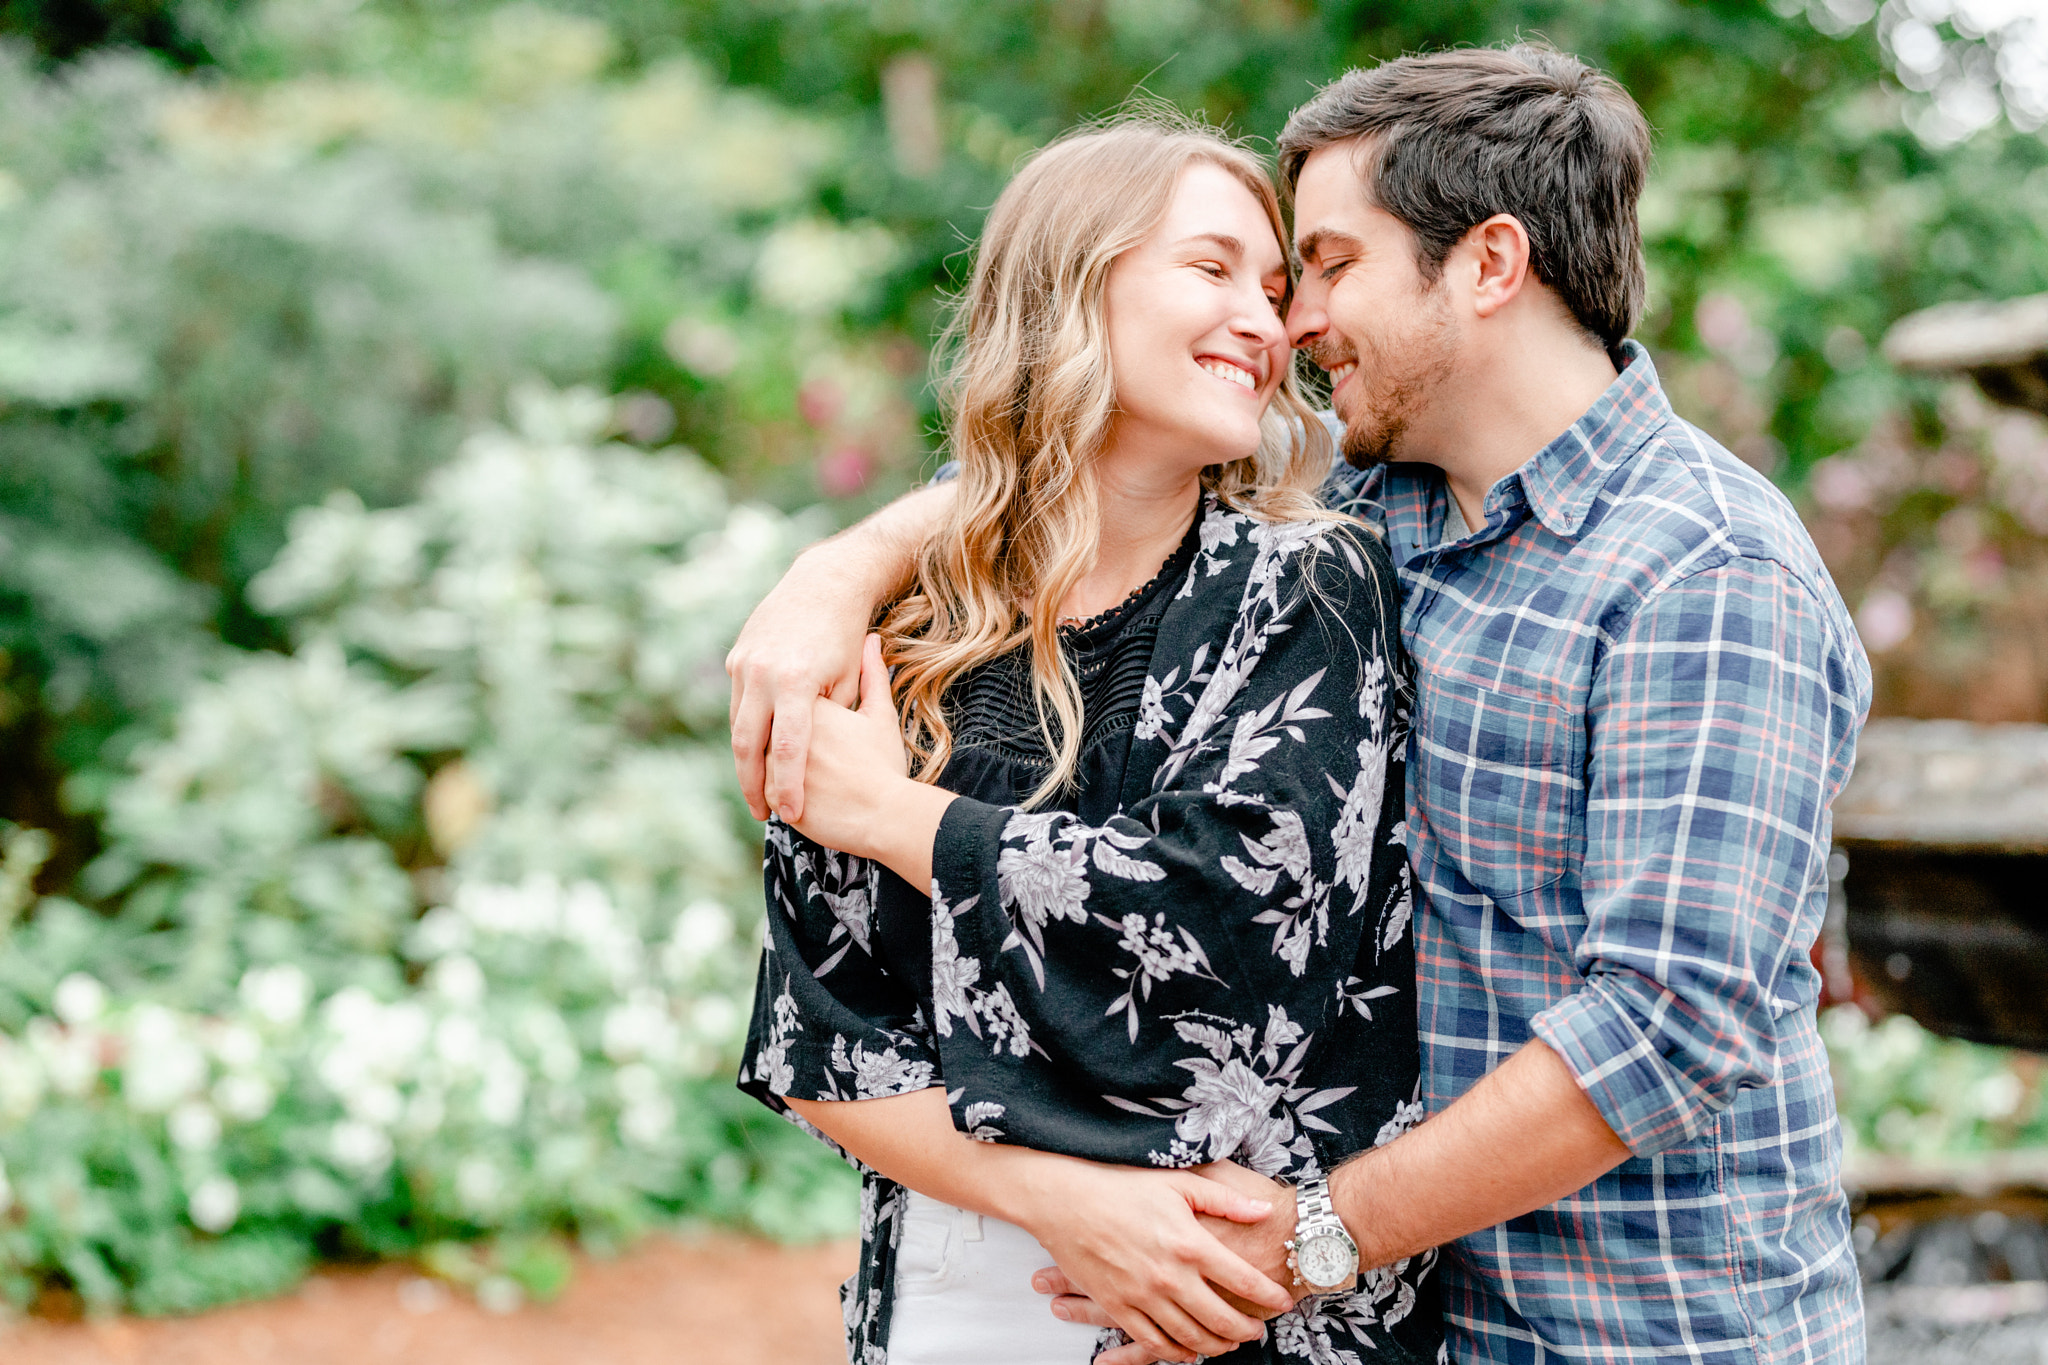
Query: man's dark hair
x=1449, y=139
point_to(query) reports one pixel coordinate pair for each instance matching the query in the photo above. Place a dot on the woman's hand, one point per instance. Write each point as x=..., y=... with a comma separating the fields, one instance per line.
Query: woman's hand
x=858, y=795
x=1257, y=1240
x=1131, y=1240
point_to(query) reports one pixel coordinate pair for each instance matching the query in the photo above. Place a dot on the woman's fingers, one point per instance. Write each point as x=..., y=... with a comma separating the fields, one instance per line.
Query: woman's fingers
x=1052, y=1280
x=874, y=681
x=1183, y=1328
x=1226, y=1270
x=1218, y=1264
x=1137, y=1353
x=1155, y=1341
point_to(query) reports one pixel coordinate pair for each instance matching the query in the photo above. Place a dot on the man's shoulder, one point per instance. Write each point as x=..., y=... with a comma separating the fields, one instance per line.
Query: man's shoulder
x=1691, y=505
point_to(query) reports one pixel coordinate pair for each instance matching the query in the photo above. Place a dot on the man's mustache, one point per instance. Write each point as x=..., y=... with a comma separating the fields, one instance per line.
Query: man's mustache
x=1326, y=356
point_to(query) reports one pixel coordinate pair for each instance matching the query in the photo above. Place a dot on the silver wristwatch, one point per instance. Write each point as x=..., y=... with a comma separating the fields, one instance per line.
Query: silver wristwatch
x=1321, y=1253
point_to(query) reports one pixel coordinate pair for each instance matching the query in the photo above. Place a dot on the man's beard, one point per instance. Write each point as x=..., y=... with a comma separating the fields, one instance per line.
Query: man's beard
x=1397, y=378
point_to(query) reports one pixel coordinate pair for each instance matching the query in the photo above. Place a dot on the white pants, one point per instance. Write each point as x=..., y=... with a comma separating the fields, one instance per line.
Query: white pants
x=964, y=1295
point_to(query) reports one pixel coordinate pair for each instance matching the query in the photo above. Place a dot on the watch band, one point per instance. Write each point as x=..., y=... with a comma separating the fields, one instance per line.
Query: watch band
x=1312, y=1201
x=1315, y=1217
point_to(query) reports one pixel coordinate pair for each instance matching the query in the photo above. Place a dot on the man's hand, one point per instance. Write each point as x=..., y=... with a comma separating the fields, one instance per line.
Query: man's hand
x=1263, y=1244
x=859, y=797
x=1257, y=1242
x=1131, y=1241
x=804, y=642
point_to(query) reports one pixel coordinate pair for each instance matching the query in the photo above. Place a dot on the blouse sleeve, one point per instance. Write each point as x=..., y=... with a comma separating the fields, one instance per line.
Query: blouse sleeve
x=1148, y=990
x=830, y=1022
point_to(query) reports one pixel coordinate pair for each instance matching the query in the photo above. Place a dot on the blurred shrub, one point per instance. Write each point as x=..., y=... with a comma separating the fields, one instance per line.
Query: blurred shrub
x=1937, y=532
x=1906, y=1092
x=222, y=299
x=437, y=928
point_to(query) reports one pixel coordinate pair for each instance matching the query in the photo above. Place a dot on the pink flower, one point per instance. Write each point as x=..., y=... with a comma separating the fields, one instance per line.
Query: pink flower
x=845, y=470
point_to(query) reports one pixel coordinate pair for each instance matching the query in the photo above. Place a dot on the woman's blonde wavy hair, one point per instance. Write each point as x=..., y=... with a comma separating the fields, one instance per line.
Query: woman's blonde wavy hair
x=1029, y=398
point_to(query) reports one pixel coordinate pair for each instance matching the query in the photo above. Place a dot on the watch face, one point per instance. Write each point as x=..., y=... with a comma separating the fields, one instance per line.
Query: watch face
x=1327, y=1258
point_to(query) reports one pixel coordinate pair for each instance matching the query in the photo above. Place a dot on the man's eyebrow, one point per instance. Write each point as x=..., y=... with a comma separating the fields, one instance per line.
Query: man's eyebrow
x=1311, y=246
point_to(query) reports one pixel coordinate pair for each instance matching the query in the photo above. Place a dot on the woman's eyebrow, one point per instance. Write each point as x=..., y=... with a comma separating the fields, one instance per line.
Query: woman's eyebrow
x=1229, y=245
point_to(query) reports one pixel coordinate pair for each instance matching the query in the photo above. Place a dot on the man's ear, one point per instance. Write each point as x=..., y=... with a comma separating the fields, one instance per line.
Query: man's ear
x=1499, y=262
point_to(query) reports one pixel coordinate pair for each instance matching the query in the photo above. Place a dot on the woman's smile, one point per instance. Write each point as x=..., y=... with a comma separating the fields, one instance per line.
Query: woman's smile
x=1232, y=371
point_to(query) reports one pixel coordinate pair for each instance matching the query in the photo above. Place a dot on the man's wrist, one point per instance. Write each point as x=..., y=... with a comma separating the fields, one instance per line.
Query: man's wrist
x=1351, y=1188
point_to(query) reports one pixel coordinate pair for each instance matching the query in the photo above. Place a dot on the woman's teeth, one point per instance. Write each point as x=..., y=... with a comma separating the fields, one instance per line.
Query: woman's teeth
x=1342, y=373
x=1240, y=377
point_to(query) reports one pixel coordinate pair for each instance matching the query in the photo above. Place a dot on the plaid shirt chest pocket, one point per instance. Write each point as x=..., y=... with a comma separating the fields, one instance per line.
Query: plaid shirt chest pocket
x=1504, y=784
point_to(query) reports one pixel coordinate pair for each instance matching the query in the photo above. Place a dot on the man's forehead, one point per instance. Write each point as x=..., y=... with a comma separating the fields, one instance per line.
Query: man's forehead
x=1330, y=199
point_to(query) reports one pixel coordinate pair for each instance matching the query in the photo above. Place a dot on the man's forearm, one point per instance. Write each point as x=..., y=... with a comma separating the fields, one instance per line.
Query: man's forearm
x=1523, y=1137
x=873, y=560
x=804, y=642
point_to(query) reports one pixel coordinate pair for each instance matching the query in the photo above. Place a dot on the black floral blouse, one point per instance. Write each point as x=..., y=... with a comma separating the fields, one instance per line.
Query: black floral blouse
x=1199, y=952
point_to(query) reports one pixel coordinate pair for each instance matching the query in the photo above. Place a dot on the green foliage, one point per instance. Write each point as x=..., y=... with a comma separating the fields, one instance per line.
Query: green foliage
x=1905, y=1092
x=399, y=903
x=438, y=928
x=222, y=300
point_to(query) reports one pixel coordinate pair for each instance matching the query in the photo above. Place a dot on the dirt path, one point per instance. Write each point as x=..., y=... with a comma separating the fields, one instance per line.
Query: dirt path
x=719, y=1301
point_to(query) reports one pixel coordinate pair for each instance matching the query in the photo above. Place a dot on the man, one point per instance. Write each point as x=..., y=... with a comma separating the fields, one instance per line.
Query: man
x=1638, y=692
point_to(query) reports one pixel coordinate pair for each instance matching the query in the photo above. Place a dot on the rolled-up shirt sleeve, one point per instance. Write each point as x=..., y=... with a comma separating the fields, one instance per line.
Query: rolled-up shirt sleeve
x=1721, y=724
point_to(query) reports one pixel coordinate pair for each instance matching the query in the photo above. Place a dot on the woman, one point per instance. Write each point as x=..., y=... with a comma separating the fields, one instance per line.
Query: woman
x=1155, y=705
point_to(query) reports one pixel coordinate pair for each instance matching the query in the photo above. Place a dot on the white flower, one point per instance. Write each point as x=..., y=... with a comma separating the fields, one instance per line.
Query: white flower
x=816, y=267
x=79, y=999
x=952, y=974
x=243, y=1096
x=647, y=1124
x=1406, y=1115
x=640, y=1027
x=70, y=1057
x=503, y=1095
x=459, y=1042
x=716, y=1018
x=701, y=930
x=425, y=1111
x=163, y=1065
x=478, y=1184
x=499, y=1294
x=194, y=1126
x=238, y=1046
x=215, y=1204
x=279, y=994
x=636, y=1082
x=356, y=1146
x=21, y=1081
x=878, y=1074
x=376, y=1103
x=458, y=980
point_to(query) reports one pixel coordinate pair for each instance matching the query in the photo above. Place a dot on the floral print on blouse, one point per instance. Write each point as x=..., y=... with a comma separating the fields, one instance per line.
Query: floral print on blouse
x=1218, y=967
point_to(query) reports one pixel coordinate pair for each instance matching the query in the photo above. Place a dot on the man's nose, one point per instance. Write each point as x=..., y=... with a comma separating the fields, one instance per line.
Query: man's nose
x=1306, y=320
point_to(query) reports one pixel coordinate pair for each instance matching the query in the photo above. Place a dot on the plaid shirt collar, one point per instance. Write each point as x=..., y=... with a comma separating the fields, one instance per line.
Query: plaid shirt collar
x=1556, y=485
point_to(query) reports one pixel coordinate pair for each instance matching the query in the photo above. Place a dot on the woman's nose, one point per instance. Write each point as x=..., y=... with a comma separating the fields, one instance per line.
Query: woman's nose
x=1260, y=322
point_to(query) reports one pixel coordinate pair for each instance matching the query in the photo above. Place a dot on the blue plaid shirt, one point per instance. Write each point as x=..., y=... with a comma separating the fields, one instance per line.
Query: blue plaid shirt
x=1638, y=692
